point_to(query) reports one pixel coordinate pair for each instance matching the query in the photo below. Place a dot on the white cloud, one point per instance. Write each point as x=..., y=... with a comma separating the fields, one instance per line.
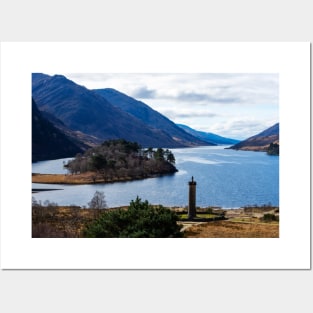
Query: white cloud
x=229, y=104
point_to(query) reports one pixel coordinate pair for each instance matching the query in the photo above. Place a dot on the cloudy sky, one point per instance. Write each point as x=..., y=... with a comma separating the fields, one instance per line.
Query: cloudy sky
x=231, y=105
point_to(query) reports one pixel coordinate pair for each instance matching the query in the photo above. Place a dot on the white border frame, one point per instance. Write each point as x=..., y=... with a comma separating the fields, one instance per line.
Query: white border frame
x=290, y=251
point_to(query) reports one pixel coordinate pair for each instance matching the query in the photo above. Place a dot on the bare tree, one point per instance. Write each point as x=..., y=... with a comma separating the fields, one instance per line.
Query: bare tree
x=98, y=201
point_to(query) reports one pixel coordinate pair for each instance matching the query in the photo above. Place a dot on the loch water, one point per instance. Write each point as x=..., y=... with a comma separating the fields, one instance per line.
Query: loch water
x=224, y=177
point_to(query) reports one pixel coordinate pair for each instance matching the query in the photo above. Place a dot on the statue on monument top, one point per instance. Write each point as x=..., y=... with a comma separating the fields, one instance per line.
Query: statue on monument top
x=192, y=182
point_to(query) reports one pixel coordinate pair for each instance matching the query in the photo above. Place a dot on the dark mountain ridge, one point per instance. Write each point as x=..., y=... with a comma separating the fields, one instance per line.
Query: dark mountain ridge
x=86, y=111
x=147, y=115
x=47, y=141
x=81, y=139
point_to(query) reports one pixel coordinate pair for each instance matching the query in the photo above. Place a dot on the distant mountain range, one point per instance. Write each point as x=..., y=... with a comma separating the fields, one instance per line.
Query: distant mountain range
x=261, y=141
x=209, y=137
x=68, y=118
x=48, y=142
x=86, y=111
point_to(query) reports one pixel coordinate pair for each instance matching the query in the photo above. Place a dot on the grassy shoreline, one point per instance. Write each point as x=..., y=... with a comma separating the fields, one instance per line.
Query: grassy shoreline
x=85, y=178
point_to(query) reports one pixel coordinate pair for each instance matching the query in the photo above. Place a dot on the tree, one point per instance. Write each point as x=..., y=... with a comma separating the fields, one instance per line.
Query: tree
x=269, y=217
x=98, y=161
x=150, y=152
x=98, y=201
x=170, y=157
x=140, y=220
x=273, y=149
x=159, y=154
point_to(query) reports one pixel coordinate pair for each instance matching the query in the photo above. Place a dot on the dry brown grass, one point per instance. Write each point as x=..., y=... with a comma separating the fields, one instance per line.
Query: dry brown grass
x=61, y=222
x=233, y=229
x=84, y=178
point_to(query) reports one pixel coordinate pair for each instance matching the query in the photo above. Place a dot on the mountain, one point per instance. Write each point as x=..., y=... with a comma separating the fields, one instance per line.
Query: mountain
x=47, y=141
x=81, y=139
x=261, y=141
x=147, y=115
x=85, y=111
x=209, y=137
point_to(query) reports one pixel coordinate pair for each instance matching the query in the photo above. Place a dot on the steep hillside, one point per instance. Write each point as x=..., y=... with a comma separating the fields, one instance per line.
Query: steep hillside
x=81, y=139
x=147, y=115
x=209, y=137
x=88, y=112
x=47, y=141
x=261, y=141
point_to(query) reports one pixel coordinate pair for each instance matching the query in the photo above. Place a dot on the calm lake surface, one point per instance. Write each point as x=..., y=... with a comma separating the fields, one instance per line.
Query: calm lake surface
x=224, y=177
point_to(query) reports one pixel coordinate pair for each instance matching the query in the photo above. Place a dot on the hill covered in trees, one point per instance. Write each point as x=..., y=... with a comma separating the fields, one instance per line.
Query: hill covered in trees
x=121, y=158
x=112, y=161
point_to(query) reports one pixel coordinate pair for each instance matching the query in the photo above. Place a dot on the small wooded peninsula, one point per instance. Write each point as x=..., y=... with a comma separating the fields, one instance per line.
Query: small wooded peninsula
x=112, y=161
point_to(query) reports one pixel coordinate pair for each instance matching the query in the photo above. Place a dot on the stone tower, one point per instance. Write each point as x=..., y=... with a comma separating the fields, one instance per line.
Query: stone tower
x=192, y=199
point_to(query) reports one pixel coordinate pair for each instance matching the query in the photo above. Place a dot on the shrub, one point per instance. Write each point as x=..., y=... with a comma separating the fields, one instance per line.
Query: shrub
x=140, y=220
x=209, y=210
x=270, y=217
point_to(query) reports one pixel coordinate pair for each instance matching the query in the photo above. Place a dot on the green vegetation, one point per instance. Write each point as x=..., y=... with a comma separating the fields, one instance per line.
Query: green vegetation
x=143, y=220
x=140, y=220
x=273, y=149
x=209, y=210
x=270, y=218
x=200, y=216
x=120, y=159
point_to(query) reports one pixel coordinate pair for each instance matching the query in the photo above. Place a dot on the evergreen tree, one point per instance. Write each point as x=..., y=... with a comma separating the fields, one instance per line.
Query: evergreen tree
x=140, y=220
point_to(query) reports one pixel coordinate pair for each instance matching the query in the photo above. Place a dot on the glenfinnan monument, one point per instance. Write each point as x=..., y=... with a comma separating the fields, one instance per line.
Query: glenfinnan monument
x=192, y=199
